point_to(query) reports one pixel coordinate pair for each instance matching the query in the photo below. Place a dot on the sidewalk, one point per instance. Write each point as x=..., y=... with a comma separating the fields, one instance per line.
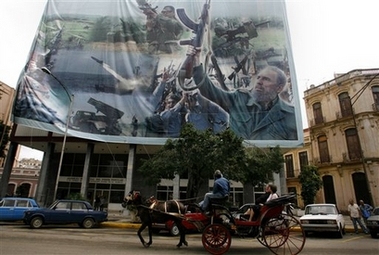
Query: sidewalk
x=119, y=220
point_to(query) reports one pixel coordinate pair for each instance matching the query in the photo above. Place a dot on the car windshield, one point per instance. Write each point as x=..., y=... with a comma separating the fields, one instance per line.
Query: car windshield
x=376, y=211
x=324, y=209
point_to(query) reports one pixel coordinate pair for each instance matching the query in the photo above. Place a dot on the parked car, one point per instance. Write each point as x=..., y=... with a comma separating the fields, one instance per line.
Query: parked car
x=13, y=208
x=194, y=221
x=323, y=218
x=373, y=222
x=66, y=212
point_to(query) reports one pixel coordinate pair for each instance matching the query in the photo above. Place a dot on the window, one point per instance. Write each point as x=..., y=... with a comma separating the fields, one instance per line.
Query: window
x=375, y=94
x=353, y=146
x=360, y=185
x=10, y=203
x=293, y=190
x=317, y=113
x=323, y=149
x=303, y=158
x=164, y=192
x=345, y=104
x=289, y=166
x=62, y=206
x=22, y=203
x=116, y=196
x=78, y=206
x=182, y=192
x=11, y=189
x=329, y=194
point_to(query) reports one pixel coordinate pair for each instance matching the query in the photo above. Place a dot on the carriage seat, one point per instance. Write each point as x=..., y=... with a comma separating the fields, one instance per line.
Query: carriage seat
x=285, y=199
x=217, y=202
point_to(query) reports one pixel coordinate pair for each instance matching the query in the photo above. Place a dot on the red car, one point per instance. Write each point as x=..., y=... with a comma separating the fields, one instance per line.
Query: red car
x=194, y=222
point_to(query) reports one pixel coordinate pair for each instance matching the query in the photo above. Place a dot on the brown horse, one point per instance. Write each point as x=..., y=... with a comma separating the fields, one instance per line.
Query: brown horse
x=154, y=211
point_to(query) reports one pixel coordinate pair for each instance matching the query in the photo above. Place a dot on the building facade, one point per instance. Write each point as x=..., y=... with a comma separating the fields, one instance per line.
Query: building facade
x=294, y=161
x=343, y=117
x=24, y=178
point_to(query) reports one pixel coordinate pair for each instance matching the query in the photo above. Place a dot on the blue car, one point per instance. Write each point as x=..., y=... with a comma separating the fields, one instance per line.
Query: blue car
x=13, y=208
x=65, y=212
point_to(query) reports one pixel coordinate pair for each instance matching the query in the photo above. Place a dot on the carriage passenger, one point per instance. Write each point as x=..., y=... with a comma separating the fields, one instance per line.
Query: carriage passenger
x=269, y=195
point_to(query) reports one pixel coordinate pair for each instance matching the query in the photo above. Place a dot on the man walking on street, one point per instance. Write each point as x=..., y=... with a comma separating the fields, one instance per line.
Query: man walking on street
x=355, y=216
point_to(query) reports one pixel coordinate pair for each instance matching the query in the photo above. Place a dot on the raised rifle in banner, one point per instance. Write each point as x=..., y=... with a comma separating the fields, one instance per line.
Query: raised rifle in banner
x=234, y=36
x=240, y=66
x=146, y=7
x=220, y=77
x=199, y=30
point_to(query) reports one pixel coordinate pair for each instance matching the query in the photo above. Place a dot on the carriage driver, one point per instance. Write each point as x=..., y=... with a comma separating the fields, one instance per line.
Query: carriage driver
x=221, y=189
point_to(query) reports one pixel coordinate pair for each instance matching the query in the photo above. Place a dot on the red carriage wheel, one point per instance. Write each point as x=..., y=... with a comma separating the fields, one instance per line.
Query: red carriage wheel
x=216, y=239
x=283, y=235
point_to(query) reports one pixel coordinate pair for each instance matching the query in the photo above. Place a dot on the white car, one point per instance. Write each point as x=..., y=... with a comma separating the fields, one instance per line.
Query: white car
x=323, y=218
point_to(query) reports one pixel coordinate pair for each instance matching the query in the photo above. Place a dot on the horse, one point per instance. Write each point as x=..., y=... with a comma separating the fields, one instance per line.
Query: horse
x=154, y=211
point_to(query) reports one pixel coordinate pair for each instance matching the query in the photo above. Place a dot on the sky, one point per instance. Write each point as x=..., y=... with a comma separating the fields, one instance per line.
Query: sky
x=327, y=37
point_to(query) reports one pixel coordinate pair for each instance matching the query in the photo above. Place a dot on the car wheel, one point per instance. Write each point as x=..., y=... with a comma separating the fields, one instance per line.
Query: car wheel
x=373, y=234
x=36, y=222
x=174, y=231
x=306, y=233
x=340, y=232
x=88, y=223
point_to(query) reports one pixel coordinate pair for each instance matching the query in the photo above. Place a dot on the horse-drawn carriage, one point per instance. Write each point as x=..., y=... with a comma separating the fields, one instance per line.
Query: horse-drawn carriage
x=274, y=227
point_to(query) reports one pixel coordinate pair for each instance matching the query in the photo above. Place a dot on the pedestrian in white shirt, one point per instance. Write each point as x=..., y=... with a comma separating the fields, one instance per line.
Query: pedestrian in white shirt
x=355, y=216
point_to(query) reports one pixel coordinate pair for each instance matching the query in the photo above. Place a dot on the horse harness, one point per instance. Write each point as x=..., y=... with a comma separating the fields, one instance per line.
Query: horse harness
x=155, y=203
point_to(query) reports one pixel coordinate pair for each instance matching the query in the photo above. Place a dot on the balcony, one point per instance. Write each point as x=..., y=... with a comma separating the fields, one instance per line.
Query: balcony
x=317, y=121
x=322, y=161
x=354, y=158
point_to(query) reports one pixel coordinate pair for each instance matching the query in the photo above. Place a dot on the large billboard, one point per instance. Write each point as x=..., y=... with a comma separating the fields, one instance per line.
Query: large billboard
x=135, y=71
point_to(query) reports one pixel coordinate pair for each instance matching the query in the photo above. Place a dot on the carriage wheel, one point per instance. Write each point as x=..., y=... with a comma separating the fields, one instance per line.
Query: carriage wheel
x=216, y=239
x=283, y=235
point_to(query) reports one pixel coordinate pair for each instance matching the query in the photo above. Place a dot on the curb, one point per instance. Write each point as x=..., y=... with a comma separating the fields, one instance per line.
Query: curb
x=120, y=225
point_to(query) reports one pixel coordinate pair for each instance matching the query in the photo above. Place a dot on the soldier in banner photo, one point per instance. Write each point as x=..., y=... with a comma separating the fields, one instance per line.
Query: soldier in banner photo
x=163, y=30
x=168, y=121
x=192, y=108
x=255, y=114
x=204, y=114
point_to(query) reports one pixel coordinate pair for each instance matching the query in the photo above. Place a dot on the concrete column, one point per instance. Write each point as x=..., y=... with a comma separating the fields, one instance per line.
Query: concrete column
x=8, y=168
x=129, y=170
x=176, y=187
x=86, y=170
x=43, y=175
x=282, y=186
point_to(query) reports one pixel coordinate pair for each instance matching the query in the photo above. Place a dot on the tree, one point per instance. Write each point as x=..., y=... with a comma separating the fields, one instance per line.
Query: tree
x=311, y=183
x=198, y=154
x=100, y=29
x=261, y=164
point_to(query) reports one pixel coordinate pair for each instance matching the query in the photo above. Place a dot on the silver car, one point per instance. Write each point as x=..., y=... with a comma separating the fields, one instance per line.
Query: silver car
x=323, y=218
x=373, y=223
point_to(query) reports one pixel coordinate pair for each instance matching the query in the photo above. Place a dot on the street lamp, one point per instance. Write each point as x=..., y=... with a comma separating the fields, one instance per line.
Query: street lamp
x=355, y=97
x=71, y=97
